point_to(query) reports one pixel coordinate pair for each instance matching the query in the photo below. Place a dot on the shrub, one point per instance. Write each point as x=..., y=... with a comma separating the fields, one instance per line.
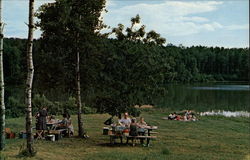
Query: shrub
x=14, y=108
x=41, y=101
x=69, y=106
x=89, y=110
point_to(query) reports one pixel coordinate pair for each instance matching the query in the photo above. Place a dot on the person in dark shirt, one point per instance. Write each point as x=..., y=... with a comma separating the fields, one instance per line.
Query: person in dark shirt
x=133, y=130
x=42, y=114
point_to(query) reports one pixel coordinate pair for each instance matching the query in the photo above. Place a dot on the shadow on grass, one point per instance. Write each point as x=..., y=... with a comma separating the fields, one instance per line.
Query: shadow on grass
x=116, y=145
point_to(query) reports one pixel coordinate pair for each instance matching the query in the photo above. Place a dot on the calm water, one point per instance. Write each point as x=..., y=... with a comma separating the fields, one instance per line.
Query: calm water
x=226, y=113
x=201, y=97
x=208, y=97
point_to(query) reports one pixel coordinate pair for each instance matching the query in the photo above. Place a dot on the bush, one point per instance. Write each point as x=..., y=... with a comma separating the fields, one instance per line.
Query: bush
x=14, y=108
x=89, y=110
x=69, y=106
x=41, y=101
x=134, y=111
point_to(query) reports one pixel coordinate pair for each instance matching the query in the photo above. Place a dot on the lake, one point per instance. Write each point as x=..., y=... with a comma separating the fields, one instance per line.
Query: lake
x=202, y=97
x=228, y=96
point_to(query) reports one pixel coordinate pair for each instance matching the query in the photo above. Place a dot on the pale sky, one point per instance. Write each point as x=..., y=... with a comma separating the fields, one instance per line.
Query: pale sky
x=223, y=23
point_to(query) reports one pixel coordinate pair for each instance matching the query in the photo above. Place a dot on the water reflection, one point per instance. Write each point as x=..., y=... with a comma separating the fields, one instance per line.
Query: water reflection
x=226, y=113
x=225, y=87
x=206, y=97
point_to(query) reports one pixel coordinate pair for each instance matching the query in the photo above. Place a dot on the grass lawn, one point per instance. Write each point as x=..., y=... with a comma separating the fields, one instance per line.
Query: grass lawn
x=210, y=138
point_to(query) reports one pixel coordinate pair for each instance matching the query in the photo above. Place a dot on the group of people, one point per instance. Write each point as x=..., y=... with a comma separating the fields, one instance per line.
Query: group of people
x=126, y=121
x=131, y=124
x=132, y=127
x=42, y=121
x=188, y=116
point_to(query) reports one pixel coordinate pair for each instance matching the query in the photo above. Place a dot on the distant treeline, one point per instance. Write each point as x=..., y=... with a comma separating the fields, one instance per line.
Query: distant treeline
x=185, y=64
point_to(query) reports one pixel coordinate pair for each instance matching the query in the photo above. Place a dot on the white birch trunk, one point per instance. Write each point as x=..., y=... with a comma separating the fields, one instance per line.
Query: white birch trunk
x=2, y=111
x=78, y=90
x=29, y=79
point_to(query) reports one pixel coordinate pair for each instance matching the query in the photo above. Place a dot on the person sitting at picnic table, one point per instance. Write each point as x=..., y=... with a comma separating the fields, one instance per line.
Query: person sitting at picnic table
x=125, y=121
x=62, y=124
x=142, y=123
x=141, y=126
x=52, y=120
x=70, y=125
x=66, y=123
x=133, y=129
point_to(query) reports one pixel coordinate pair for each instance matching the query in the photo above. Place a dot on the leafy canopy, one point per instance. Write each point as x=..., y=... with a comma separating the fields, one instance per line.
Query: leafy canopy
x=137, y=33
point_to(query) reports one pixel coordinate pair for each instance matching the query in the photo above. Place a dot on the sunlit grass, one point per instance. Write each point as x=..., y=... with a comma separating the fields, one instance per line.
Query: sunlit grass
x=210, y=138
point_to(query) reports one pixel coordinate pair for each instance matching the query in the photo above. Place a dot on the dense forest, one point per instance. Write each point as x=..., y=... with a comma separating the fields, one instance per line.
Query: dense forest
x=109, y=64
x=185, y=64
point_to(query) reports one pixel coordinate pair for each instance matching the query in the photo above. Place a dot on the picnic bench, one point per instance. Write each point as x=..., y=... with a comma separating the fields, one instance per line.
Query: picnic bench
x=145, y=136
x=58, y=133
x=141, y=138
x=52, y=130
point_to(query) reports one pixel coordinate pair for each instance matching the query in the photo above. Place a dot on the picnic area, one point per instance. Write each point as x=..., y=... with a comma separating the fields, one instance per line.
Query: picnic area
x=209, y=138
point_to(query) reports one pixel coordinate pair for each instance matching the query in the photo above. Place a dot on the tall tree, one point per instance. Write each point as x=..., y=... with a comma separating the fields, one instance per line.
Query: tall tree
x=2, y=111
x=29, y=80
x=78, y=86
x=69, y=27
x=138, y=35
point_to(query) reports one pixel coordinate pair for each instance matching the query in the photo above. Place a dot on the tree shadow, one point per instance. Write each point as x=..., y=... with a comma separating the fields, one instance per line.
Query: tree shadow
x=114, y=145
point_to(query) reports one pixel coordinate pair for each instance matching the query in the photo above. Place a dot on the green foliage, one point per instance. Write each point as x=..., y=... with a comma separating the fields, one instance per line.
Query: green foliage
x=14, y=108
x=89, y=110
x=121, y=73
x=40, y=101
x=68, y=27
x=137, y=35
x=14, y=61
x=58, y=108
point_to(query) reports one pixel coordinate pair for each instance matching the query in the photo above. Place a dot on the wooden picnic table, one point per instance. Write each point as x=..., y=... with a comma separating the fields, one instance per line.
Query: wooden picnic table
x=51, y=130
x=119, y=135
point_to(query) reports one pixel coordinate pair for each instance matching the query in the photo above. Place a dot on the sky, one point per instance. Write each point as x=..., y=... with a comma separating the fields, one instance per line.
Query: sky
x=223, y=23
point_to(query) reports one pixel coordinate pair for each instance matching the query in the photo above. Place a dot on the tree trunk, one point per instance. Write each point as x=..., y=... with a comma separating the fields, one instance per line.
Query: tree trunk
x=29, y=79
x=78, y=93
x=2, y=111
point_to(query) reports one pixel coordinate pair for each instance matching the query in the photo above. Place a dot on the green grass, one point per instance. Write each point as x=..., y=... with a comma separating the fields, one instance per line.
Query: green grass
x=210, y=138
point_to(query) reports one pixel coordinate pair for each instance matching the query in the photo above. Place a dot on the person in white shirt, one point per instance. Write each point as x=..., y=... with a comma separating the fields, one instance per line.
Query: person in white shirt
x=125, y=121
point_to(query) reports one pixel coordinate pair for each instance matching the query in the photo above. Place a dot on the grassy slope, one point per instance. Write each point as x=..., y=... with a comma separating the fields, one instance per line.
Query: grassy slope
x=210, y=138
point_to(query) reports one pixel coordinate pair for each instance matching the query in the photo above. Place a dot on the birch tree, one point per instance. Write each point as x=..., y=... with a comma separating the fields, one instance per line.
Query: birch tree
x=2, y=112
x=29, y=80
x=78, y=89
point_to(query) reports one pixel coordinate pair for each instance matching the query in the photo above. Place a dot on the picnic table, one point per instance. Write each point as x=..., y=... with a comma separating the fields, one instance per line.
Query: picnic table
x=51, y=130
x=119, y=132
